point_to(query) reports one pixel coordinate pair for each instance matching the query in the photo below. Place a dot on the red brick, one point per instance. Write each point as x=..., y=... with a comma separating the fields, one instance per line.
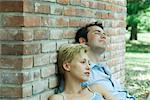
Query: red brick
x=56, y=34
x=107, y=23
x=32, y=21
x=27, y=91
x=15, y=92
x=19, y=49
x=74, y=22
x=53, y=81
x=69, y=34
x=50, y=0
x=53, y=57
x=57, y=9
x=11, y=78
x=16, y=62
x=93, y=4
x=42, y=59
x=113, y=8
x=36, y=74
x=104, y=15
x=101, y=5
x=86, y=3
x=98, y=14
x=69, y=11
x=16, y=78
x=110, y=16
x=27, y=76
x=61, y=22
x=63, y=1
x=110, y=31
x=59, y=43
x=28, y=6
x=40, y=34
x=47, y=21
x=3, y=34
x=6, y=6
x=40, y=86
x=13, y=21
x=14, y=34
x=48, y=46
x=75, y=2
x=6, y=91
x=108, y=7
x=47, y=71
x=31, y=48
x=41, y=8
x=84, y=12
x=24, y=35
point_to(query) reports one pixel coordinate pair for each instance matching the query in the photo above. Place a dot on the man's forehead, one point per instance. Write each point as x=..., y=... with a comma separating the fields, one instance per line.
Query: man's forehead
x=94, y=28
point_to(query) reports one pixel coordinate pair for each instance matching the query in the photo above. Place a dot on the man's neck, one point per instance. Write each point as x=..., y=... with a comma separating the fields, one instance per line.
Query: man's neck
x=94, y=54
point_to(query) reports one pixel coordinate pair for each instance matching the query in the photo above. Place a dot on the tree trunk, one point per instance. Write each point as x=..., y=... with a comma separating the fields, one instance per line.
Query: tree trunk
x=133, y=35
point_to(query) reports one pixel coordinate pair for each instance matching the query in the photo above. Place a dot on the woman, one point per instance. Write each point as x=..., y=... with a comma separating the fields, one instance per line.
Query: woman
x=74, y=66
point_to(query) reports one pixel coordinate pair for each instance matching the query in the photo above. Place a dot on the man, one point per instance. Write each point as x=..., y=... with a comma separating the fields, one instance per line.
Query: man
x=101, y=78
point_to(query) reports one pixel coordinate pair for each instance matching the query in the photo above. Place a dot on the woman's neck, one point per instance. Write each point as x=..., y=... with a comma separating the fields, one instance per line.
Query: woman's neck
x=72, y=86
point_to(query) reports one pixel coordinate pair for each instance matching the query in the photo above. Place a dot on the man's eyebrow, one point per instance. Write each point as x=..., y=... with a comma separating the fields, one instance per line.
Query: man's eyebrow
x=97, y=30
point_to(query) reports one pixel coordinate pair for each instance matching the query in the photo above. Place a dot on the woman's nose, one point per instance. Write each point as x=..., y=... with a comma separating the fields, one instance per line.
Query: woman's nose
x=88, y=67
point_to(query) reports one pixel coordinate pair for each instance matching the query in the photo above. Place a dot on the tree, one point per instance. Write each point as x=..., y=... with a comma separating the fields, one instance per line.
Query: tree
x=134, y=9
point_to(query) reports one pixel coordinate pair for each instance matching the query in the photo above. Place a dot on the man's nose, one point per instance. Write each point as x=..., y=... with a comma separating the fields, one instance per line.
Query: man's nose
x=103, y=36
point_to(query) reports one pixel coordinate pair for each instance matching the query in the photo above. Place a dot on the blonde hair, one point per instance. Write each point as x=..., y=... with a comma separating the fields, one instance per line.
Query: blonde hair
x=67, y=52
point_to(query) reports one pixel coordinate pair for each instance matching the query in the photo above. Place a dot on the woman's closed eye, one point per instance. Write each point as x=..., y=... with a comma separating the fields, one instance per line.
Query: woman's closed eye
x=89, y=62
x=83, y=61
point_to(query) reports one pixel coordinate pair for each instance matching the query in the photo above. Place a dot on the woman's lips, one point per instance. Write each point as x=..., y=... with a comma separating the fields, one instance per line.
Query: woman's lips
x=87, y=73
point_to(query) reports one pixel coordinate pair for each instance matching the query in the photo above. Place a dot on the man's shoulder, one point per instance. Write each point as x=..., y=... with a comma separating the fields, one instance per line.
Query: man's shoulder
x=55, y=97
x=99, y=65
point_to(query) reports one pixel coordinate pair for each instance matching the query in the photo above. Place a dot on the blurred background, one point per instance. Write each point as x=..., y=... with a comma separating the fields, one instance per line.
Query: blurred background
x=138, y=48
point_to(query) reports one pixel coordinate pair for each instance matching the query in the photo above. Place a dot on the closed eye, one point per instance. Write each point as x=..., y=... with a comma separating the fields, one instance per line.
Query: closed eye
x=89, y=62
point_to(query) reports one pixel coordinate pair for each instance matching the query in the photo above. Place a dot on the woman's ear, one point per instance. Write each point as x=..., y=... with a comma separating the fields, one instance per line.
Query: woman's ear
x=66, y=66
x=82, y=40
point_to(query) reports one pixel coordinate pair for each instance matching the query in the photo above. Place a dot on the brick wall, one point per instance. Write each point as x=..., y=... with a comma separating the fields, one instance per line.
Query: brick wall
x=31, y=32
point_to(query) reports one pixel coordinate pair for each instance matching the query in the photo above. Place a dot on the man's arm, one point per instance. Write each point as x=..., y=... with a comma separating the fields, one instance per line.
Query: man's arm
x=104, y=92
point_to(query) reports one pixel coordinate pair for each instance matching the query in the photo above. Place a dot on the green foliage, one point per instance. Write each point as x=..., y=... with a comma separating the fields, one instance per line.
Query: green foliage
x=136, y=10
x=137, y=77
x=145, y=20
x=137, y=47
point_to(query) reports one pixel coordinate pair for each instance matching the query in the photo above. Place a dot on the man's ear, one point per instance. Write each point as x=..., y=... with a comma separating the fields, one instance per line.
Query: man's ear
x=66, y=66
x=82, y=40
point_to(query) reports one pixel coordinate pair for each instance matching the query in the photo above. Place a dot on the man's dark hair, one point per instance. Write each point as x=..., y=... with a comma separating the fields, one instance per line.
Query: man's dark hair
x=82, y=32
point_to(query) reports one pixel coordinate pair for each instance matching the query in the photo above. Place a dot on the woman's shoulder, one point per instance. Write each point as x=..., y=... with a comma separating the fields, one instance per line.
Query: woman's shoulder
x=56, y=97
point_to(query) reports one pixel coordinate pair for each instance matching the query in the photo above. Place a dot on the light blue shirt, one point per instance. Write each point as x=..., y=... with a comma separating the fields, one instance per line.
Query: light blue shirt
x=101, y=74
x=97, y=96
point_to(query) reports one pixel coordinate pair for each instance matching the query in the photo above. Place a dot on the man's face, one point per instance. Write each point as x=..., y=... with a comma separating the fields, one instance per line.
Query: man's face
x=96, y=37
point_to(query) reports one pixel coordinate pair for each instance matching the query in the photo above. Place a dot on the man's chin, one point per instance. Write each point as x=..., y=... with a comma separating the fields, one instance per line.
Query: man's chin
x=102, y=48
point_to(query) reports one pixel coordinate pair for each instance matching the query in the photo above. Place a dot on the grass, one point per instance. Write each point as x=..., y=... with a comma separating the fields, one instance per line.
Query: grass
x=137, y=63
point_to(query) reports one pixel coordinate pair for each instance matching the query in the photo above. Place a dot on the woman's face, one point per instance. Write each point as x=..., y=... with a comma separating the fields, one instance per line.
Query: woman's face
x=80, y=67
